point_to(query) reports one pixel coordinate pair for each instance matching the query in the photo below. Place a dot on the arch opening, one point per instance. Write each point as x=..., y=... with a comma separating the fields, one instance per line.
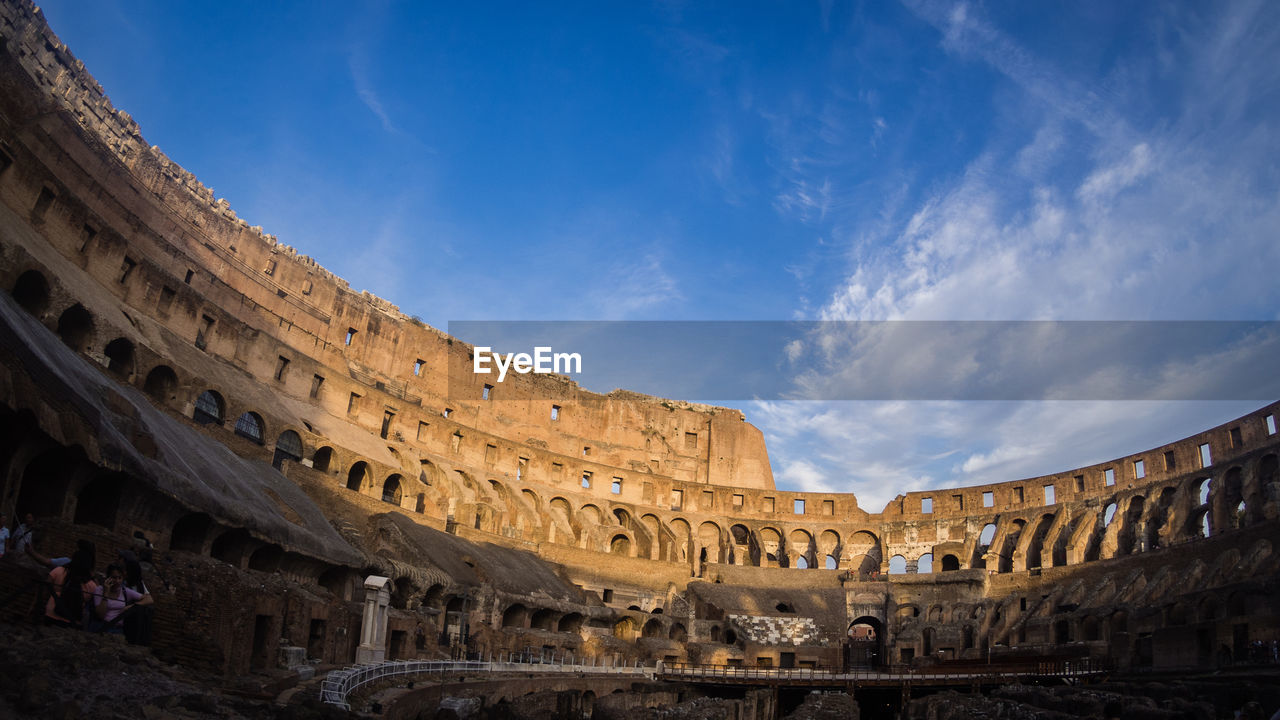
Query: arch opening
x=161, y=383
x=391, y=491
x=322, y=459
x=358, y=476
x=75, y=327
x=189, y=532
x=865, y=642
x=119, y=353
x=31, y=291
x=99, y=502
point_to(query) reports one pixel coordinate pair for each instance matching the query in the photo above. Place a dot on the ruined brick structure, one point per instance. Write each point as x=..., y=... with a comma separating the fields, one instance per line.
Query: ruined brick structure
x=171, y=370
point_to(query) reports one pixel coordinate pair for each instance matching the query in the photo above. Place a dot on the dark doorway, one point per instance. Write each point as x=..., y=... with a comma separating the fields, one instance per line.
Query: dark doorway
x=315, y=639
x=1062, y=632
x=399, y=645
x=261, y=642
x=1204, y=646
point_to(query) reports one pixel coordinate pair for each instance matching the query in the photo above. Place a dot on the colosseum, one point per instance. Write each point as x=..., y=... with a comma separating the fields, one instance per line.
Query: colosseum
x=318, y=500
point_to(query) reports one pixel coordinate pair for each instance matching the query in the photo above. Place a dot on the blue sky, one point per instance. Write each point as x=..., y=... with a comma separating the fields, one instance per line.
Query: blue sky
x=735, y=161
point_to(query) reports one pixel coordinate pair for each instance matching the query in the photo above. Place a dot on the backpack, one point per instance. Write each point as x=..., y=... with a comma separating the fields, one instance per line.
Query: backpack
x=69, y=604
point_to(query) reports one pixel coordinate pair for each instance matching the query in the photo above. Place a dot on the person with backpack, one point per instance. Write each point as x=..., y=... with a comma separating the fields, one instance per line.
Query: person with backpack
x=72, y=586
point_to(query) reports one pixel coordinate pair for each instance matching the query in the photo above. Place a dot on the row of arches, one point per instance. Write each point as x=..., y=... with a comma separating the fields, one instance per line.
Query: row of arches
x=1196, y=508
x=76, y=327
x=1234, y=500
x=49, y=480
x=520, y=616
x=899, y=565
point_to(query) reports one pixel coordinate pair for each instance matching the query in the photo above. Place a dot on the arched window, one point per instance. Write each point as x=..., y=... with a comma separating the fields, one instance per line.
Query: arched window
x=988, y=534
x=249, y=426
x=391, y=490
x=924, y=565
x=320, y=461
x=1202, y=490
x=288, y=447
x=209, y=408
x=897, y=565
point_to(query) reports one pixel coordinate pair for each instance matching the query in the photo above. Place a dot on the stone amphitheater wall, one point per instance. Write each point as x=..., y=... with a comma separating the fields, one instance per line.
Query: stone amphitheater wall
x=627, y=504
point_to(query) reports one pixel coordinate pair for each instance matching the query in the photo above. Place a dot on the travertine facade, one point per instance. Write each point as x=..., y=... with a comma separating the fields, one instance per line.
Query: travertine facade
x=171, y=370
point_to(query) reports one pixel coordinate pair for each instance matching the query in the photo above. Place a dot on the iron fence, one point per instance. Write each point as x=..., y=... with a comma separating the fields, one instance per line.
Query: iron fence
x=339, y=684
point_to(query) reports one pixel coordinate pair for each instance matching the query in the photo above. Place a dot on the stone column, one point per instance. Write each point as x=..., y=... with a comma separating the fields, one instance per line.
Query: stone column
x=373, y=627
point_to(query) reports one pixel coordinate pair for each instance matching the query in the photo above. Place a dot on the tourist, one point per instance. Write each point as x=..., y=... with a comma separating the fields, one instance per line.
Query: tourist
x=137, y=624
x=22, y=534
x=24, y=545
x=72, y=585
x=113, y=600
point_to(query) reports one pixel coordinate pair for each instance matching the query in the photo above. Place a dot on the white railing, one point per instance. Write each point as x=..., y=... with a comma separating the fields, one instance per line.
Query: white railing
x=1077, y=669
x=338, y=684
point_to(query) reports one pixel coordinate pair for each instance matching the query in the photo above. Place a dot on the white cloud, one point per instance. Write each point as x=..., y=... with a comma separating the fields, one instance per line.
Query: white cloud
x=359, y=66
x=1105, y=182
x=1106, y=214
x=634, y=287
x=809, y=202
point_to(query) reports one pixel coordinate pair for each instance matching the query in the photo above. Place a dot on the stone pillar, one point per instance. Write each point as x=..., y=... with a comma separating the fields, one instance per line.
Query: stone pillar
x=373, y=627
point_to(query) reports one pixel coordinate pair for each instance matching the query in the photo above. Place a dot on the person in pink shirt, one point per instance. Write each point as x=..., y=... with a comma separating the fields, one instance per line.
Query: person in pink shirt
x=113, y=600
x=72, y=587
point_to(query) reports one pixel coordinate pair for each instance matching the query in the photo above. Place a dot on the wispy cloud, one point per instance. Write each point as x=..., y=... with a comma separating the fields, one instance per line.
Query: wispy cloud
x=722, y=164
x=634, y=287
x=358, y=63
x=806, y=201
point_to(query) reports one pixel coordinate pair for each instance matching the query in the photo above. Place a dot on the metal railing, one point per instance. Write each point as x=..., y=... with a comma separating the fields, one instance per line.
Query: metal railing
x=1082, y=669
x=339, y=684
